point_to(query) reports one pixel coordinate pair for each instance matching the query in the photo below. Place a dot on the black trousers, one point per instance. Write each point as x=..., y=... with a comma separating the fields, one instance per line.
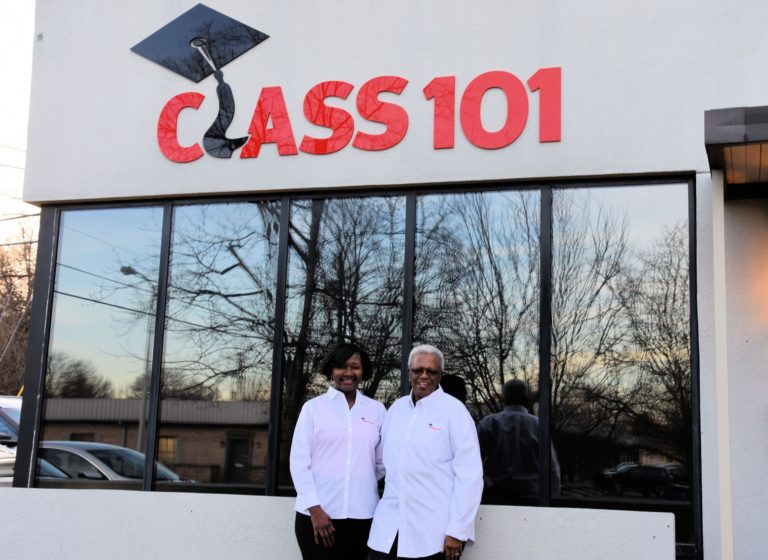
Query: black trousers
x=392, y=554
x=350, y=539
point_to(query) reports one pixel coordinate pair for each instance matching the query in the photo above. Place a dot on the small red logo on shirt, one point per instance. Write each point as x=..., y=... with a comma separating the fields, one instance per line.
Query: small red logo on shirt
x=435, y=428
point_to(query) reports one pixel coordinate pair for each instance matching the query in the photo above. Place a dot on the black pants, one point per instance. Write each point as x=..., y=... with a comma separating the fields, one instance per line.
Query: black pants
x=392, y=555
x=350, y=539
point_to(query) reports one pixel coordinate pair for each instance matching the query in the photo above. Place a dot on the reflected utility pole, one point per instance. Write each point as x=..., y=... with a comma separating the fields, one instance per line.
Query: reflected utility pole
x=128, y=270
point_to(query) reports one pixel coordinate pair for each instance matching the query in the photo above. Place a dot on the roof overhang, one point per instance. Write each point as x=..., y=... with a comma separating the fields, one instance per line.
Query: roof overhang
x=736, y=140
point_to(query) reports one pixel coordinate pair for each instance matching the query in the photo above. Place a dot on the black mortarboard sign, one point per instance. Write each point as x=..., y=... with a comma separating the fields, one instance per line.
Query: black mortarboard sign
x=197, y=44
x=222, y=37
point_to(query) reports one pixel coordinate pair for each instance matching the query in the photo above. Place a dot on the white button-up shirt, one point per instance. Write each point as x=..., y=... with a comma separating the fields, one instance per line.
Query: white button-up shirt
x=434, y=476
x=336, y=457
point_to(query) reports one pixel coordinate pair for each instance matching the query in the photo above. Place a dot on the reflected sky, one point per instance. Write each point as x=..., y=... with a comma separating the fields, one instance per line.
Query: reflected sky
x=646, y=208
x=101, y=315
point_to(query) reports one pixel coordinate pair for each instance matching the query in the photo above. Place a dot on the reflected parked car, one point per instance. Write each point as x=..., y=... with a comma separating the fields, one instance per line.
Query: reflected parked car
x=100, y=461
x=669, y=481
x=8, y=460
x=10, y=415
x=606, y=479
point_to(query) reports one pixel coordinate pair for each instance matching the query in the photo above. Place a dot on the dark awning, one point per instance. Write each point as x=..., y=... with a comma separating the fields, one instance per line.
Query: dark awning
x=736, y=140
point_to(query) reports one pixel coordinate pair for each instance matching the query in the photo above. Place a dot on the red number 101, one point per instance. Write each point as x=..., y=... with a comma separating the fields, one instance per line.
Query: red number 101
x=443, y=90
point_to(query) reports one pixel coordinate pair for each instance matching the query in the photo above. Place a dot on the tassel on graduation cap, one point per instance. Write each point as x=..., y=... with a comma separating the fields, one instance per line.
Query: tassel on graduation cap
x=195, y=45
x=215, y=140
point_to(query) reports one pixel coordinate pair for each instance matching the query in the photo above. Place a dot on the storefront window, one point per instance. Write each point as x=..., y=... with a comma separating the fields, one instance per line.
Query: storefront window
x=621, y=412
x=617, y=399
x=217, y=367
x=104, y=306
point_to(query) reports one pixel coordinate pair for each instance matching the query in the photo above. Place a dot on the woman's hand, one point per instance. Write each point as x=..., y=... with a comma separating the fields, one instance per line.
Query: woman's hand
x=322, y=526
x=452, y=548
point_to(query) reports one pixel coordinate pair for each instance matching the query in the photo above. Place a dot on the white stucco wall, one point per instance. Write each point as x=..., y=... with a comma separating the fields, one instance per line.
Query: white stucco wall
x=637, y=78
x=746, y=269
x=120, y=525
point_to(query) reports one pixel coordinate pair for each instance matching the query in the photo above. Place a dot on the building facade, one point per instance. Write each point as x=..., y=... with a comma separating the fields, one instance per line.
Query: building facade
x=228, y=189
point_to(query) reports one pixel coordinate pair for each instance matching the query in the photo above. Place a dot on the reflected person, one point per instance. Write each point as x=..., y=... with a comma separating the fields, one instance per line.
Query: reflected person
x=434, y=478
x=455, y=386
x=509, y=444
x=335, y=461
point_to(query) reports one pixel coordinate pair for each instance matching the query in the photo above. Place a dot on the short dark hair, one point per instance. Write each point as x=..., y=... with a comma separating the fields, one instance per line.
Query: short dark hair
x=515, y=391
x=338, y=356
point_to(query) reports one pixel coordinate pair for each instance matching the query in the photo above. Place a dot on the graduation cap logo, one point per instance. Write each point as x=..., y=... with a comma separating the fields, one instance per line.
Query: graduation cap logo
x=198, y=43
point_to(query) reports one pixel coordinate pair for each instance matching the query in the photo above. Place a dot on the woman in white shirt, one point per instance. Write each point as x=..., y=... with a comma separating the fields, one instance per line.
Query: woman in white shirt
x=336, y=461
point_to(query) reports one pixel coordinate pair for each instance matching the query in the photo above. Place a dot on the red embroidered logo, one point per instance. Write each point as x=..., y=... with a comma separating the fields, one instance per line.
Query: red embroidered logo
x=435, y=428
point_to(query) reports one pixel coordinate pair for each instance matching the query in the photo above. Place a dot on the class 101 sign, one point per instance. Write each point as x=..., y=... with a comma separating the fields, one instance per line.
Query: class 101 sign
x=272, y=124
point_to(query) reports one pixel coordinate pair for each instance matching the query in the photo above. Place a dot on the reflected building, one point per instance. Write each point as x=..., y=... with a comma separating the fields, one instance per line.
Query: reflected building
x=211, y=443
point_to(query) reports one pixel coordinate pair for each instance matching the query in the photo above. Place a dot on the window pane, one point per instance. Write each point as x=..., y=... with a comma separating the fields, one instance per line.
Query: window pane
x=621, y=372
x=345, y=283
x=217, y=368
x=477, y=299
x=101, y=341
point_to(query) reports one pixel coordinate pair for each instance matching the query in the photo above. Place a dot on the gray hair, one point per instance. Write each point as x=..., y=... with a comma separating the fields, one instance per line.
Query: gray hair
x=427, y=349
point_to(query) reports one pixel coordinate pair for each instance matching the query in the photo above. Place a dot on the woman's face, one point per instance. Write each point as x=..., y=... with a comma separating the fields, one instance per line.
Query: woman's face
x=347, y=378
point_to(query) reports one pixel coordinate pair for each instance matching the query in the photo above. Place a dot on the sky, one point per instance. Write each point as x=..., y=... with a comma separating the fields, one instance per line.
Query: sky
x=16, y=40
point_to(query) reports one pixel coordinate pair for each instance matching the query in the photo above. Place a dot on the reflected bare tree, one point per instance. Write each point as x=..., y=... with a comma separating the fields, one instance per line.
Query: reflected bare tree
x=221, y=305
x=75, y=378
x=477, y=288
x=361, y=285
x=656, y=299
x=177, y=386
x=620, y=347
x=588, y=327
x=17, y=269
x=620, y=344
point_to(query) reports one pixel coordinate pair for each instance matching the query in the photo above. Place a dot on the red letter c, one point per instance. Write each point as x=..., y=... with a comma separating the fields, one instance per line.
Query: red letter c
x=167, y=128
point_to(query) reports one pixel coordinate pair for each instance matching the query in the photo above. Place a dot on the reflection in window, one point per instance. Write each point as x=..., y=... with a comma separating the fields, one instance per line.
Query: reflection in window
x=102, y=327
x=621, y=413
x=217, y=368
x=73, y=465
x=477, y=258
x=621, y=372
x=166, y=449
x=477, y=299
x=345, y=283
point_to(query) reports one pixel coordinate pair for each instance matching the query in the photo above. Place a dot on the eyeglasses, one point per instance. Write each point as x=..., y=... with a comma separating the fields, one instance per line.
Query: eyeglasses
x=420, y=371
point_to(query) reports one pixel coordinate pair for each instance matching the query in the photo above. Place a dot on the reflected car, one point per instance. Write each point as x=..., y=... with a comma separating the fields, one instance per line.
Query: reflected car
x=100, y=461
x=606, y=479
x=10, y=415
x=663, y=481
x=8, y=460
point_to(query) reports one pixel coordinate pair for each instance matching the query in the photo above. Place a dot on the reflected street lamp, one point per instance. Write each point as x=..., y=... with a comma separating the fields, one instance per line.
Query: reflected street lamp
x=128, y=270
